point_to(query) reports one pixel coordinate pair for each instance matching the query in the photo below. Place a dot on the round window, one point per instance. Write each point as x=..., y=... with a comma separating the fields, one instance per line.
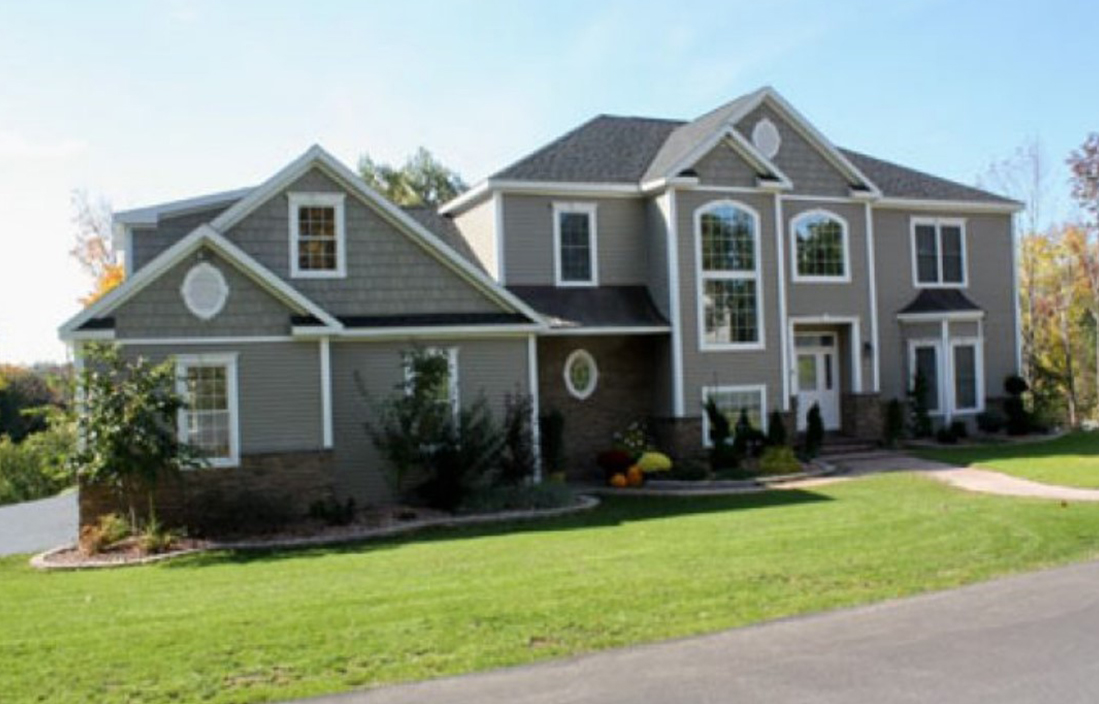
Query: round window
x=581, y=374
x=204, y=291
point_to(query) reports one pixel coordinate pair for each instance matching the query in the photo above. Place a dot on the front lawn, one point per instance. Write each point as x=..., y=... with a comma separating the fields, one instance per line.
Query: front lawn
x=243, y=628
x=1070, y=460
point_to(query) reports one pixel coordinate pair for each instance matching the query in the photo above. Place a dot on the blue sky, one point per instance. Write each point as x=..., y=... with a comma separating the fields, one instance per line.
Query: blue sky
x=148, y=101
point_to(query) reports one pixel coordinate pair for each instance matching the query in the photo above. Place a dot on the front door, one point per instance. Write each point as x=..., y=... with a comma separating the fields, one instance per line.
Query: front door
x=818, y=378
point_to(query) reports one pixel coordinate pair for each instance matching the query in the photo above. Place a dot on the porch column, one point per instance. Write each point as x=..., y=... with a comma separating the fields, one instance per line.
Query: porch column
x=946, y=374
x=535, y=431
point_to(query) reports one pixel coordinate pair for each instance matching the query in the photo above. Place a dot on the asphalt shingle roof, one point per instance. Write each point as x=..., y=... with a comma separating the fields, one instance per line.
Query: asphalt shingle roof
x=940, y=300
x=602, y=306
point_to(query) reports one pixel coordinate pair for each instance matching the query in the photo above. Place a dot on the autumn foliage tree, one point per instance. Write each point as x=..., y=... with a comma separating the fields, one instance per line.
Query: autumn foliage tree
x=96, y=250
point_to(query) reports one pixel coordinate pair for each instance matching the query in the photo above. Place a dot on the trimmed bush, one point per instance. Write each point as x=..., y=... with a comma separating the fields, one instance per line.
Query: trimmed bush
x=814, y=431
x=517, y=498
x=776, y=429
x=991, y=421
x=893, y=430
x=653, y=462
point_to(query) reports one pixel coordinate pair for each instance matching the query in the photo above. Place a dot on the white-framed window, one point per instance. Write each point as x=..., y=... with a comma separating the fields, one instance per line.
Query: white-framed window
x=955, y=383
x=731, y=400
x=204, y=291
x=210, y=422
x=967, y=365
x=446, y=393
x=819, y=248
x=938, y=252
x=581, y=374
x=317, y=235
x=727, y=266
x=575, y=243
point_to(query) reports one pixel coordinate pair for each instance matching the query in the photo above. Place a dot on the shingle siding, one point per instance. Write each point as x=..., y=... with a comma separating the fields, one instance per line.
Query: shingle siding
x=724, y=167
x=801, y=161
x=159, y=310
x=148, y=242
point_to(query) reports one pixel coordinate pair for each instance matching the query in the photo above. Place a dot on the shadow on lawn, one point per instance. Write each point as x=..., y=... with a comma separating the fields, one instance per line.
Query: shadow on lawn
x=613, y=511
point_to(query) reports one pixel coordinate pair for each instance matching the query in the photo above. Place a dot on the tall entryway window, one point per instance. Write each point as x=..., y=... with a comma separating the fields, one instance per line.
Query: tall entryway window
x=818, y=373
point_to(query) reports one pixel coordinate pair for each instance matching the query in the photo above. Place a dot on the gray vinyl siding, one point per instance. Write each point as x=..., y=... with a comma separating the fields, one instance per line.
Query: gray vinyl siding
x=990, y=286
x=494, y=367
x=478, y=226
x=148, y=242
x=528, y=241
x=802, y=162
x=728, y=368
x=158, y=310
x=658, y=256
x=387, y=272
x=806, y=299
x=278, y=391
x=724, y=167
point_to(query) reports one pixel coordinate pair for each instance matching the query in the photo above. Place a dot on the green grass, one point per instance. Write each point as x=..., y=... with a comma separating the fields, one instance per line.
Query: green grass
x=246, y=627
x=1070, y=460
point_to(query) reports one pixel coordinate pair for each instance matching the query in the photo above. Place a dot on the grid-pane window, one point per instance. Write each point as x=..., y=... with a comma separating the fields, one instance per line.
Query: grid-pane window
x=207, y=422
x=729, y=276
x=576, y=246
x=939, y=252
x=927, y=365
x=965, y=377
x=731, y=401
x=820, y=246
x=317, y=238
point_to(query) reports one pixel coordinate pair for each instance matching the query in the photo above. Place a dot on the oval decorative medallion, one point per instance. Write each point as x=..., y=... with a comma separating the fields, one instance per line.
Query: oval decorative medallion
x=766, y=139
x=204, y=291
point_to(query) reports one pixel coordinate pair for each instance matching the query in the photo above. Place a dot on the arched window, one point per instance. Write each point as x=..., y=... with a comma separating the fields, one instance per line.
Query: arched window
x=727, y=241
x=819, y=247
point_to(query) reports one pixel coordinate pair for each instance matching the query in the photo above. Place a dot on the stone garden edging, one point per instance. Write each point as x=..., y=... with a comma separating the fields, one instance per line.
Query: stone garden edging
x=583, y=503
x=717, y=487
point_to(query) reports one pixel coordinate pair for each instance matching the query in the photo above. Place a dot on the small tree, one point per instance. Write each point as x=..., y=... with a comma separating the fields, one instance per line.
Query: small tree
x=776, y=430
x=919, y=414
x=127, y=425
x=517, y=459
x=722, y=455
x=894, y=423
x=814, y=431
x=552, y=436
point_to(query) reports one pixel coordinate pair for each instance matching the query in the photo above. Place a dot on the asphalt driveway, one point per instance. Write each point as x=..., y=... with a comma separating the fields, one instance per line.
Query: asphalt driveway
x=38, y=525
x=1025, y=639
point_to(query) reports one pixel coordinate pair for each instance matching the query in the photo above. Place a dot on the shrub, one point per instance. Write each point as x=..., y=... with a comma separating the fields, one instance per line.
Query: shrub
x=634, y=439
x=690, y=471
x=332, y=512
x=552, y=437
x=517, y=498
x=776, y=429
x=722, y=454
x=155, y=537
x=1019, y=421
x=893, y=429
x=946, y=436
x=109, y=530
x=959, y=429
x=777, y=460
x=654, y=462
x=991, y=421
x=1015, y=385
x=465, y=459
x=919, y=414
x=38, y=466
x=22, y=391
x=613, y=462
x=517, y=461
x=814, y=431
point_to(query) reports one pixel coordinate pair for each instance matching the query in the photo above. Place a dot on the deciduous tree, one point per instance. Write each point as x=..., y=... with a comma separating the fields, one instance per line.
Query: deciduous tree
x=422, y=180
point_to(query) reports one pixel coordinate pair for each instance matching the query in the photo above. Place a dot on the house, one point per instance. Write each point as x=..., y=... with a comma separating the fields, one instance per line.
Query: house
x=627, y=270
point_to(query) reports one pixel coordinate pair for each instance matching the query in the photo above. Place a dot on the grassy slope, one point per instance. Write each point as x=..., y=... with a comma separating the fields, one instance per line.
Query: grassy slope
x=232, y=628
x=1071, y=460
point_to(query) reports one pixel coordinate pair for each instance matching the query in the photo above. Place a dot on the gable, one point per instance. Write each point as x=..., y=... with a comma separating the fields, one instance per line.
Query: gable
x=159, y=310
x=723, y=166
x=802, y=162
x=388, y=273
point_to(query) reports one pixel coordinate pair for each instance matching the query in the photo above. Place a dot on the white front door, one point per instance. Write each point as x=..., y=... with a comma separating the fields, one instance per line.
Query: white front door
x=818, y=378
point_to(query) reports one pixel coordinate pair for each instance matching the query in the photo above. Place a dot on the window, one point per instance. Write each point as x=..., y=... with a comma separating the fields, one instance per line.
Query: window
x=731, y=400
x=968, y=385
x=581, y=374
x=727, y=249
x=938, y=247
x=209, y=422
x=574, y=236
x=446, y=392
x=317, y=235
x=819, y=247
x=925, y=361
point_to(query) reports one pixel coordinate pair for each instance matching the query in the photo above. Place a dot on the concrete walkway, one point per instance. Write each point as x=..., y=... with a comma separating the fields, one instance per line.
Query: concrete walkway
x=968, y=478
x=1019, y=640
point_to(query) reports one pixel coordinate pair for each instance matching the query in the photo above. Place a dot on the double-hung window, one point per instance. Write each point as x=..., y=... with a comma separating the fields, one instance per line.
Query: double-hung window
x=925, y=363
x=575, y=241
x=209, y=422
x=728, y=266
x=731, y=401
x=317, y=239
x=938, y=249
x=968, y=383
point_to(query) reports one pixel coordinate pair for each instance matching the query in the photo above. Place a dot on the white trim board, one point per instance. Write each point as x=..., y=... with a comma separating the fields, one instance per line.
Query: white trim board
x=617, y=330
x=855, y=324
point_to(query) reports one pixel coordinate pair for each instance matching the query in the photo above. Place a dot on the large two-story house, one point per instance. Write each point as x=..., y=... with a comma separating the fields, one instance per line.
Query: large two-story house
x=628, y=270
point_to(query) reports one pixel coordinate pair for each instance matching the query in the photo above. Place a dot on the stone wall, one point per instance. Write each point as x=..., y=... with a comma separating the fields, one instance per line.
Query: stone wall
x=862, y=416
x=293, y=479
